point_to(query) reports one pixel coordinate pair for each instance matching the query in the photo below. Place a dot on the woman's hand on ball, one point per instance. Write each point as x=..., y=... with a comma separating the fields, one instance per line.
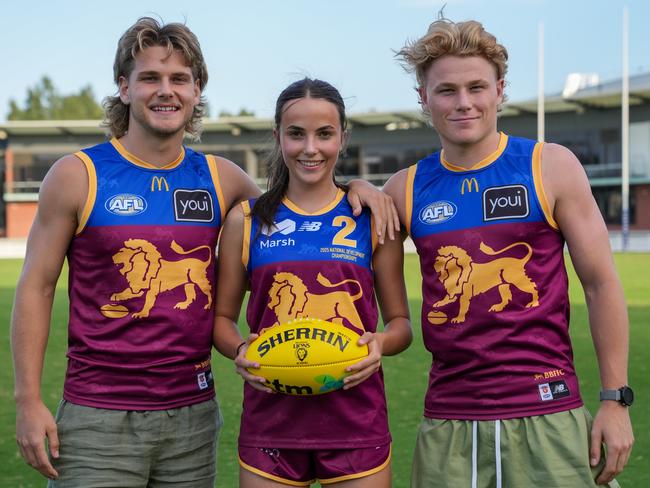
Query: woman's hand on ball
x=365, y=368
x=243, y=366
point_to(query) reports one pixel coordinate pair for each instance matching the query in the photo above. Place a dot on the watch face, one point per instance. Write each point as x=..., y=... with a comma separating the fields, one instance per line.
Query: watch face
x=627, y=395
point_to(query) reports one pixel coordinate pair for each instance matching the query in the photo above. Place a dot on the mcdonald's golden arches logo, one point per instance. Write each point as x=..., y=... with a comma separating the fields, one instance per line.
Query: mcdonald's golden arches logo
x=158, y=182
x=469, y=183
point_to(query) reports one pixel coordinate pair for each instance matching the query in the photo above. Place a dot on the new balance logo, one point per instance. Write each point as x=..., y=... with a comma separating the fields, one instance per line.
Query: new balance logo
x=308, y=226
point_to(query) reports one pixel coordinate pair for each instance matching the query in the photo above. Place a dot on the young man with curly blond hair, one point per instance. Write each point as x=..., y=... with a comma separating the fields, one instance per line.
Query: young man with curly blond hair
x=138, y=219
x=490, y=215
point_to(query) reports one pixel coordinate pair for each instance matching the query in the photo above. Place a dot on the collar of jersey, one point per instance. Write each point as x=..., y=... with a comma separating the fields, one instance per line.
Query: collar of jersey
x=295, y=208
x=144, y=164
x=503, y=142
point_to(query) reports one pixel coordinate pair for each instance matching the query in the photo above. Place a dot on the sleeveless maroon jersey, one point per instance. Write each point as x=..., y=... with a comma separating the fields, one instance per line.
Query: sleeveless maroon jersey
x=316, y=265
x=141, y=282
x=495, y=311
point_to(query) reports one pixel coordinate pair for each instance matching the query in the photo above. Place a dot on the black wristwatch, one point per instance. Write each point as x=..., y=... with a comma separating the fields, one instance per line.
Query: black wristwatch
x=624, y=395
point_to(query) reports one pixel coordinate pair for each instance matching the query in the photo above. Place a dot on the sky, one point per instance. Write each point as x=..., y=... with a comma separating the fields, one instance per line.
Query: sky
x=255, y=48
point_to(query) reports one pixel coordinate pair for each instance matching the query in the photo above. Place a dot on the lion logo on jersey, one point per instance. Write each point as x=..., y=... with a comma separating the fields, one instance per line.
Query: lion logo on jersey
x=290, y=299
x=464, y=279
x=146, y=272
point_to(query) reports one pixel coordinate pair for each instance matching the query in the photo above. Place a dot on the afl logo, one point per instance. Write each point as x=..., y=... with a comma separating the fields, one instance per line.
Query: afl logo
x=126, y=204
x=437, y=212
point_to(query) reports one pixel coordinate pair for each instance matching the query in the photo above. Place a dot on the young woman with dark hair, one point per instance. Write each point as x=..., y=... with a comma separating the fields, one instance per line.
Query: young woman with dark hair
x=303, y=229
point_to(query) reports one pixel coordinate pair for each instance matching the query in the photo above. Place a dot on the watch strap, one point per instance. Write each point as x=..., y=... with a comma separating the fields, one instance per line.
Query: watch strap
x=614, y=395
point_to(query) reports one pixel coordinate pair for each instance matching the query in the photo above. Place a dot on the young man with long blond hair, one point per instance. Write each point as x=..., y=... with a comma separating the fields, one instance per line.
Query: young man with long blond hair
x=138, y=219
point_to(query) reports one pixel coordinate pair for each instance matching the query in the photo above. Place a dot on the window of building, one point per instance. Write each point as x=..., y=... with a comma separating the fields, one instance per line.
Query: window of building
x=609, y=202
x=640, y=149
x=348, y=163
x=599, y=150
x=610, y=140
x=237, y=157
x=29, y=170
x=382, y=161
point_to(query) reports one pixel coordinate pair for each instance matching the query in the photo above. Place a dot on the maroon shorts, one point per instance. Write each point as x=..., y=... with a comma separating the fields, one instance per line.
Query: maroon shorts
x=301, y=467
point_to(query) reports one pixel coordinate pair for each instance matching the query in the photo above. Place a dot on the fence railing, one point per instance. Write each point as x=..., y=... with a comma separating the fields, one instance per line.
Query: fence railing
x=613, y=170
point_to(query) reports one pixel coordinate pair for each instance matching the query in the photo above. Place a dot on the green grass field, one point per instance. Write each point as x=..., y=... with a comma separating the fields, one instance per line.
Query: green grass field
x=406, y=377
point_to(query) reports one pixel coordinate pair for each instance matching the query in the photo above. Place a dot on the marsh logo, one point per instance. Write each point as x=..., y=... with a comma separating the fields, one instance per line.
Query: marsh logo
x=126, y=204
x=505, y=202
x=193, y=206
x=285, y=227
x=437, y=212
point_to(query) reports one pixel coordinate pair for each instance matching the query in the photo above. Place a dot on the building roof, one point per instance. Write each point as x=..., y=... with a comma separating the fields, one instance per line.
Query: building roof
x=603, y=95
x=235, y=125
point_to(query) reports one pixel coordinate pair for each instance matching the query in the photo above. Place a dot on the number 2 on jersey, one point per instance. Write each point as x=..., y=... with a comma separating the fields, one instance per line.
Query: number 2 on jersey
x=348, y=225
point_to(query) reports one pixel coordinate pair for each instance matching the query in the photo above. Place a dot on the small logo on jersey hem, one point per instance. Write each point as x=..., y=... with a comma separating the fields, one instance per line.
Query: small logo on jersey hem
x=193, y=206
x=205, y=380
x=505, y=202
x=437, y=212
x=126, y=204
x=553, y=390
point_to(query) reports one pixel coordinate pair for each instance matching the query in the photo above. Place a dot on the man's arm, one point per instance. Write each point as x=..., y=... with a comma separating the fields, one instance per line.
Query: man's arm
x=230, y=294
x=61, y=197
x=231, y=287
x=235, y=183
x=577, y=215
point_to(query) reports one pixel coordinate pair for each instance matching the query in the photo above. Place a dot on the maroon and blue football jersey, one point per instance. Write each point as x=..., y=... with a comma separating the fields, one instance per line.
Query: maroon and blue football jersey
x=495, y=312
x=313, y=265
x=142, y=282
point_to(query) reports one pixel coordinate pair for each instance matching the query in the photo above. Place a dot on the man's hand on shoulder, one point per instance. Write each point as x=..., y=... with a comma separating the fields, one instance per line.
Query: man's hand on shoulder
x=384, y=213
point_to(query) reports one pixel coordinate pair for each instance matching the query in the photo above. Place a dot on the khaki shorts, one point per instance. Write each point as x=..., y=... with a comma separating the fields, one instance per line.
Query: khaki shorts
x=154, y=448
x=542, y=451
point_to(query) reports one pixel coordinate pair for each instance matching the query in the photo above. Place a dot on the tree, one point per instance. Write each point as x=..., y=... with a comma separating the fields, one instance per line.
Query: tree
x=43, y=102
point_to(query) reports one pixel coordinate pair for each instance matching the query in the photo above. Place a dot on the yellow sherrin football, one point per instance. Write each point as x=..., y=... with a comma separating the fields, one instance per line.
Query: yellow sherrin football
x=305, y=356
